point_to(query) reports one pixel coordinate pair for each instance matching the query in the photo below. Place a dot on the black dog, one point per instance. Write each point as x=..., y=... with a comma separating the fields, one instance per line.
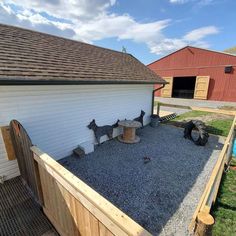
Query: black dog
x=140, y=118
x=99, y=131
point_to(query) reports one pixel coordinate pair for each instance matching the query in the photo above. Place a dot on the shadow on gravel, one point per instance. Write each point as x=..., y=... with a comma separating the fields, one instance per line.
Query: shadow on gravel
x=149, y=193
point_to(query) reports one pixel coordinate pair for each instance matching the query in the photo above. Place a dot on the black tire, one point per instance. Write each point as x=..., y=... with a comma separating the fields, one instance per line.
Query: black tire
x=201, y=128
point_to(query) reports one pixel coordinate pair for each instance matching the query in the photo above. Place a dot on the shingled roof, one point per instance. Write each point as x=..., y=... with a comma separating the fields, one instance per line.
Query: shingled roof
x=29, y=57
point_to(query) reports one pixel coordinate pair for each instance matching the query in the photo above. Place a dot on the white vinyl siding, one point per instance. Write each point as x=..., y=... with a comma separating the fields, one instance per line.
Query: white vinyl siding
x=56, y=117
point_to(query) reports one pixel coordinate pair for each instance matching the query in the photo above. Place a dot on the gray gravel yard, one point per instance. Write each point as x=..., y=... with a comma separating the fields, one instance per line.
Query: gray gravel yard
x=160, y=195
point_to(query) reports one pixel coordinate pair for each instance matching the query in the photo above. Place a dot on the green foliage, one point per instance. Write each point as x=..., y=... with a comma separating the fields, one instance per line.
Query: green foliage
x=224, y=210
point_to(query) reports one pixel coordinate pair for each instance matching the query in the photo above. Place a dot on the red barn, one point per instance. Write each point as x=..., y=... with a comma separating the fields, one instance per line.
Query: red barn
x=197, y=73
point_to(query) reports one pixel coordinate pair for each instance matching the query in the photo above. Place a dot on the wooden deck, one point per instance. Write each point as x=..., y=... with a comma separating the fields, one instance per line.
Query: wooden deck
x=19, y=213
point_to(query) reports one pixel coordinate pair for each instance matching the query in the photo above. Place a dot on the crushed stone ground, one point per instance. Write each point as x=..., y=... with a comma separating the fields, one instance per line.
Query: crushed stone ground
x=160, y=195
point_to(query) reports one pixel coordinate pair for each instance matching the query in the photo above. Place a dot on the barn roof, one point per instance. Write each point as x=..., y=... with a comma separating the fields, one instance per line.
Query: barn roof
x=29, y=57
x=193, y=47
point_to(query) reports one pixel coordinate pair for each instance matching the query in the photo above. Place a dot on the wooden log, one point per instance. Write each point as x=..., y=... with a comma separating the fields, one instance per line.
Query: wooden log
x=204, y=224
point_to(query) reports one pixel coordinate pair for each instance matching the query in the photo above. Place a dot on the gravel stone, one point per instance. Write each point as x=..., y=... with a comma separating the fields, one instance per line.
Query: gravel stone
x=160, y=195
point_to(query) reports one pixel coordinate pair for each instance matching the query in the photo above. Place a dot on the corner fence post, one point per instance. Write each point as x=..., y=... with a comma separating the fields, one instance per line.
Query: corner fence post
x=38, y=182
x=205, y=223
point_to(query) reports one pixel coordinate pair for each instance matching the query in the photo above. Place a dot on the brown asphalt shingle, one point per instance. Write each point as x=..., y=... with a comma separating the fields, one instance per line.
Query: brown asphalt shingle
x=27, y=55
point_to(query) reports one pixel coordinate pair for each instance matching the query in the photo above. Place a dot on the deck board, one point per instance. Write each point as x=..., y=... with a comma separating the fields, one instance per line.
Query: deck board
x=20, y=214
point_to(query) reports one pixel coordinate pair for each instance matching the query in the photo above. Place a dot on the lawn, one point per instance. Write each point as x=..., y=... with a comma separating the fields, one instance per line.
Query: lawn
x=217, y=124
x=224, y=210
x=191, y=114
x=219, y=127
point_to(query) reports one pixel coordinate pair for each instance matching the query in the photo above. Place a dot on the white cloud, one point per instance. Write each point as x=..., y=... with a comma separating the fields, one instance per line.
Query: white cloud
x=91, y=20
x=87, y=27
x=200, y=33
x=145, y=32
x=26, y=19
x=33, y=18
x=122, y=27
x=37, y=19
x=6, y=8
x=196, y=2
x=179, y=1
x=66, y=9
x=205, y=2
x=194, y=37
x=166, y=45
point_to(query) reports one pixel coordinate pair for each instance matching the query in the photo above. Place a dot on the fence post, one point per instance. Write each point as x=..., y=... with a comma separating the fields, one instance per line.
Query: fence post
x=204, y=224
x=38, y=183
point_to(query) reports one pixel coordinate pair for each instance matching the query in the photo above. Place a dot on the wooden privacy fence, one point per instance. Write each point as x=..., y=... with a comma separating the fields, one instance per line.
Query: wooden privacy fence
x=73, y=207
x=202, y=221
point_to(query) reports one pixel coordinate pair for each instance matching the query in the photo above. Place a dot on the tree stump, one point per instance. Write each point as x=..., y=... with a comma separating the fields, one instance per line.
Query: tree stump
x=204, y=224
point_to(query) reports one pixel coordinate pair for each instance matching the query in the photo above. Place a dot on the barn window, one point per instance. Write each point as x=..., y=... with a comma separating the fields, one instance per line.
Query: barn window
x=228, y=69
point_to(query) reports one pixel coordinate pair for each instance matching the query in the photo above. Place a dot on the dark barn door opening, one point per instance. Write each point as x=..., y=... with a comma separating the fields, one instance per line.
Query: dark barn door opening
x=183, y=87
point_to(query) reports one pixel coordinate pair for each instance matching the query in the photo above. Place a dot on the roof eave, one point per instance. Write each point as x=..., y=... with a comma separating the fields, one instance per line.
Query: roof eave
x=75, y=82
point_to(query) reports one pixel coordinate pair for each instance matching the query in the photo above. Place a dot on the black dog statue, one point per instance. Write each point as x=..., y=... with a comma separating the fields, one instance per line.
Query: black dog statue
x=99, y=131
x=140, y=118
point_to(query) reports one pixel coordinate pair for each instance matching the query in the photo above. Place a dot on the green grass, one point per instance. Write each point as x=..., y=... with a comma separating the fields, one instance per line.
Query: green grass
x=224, y=210
x=191, y=114
x=219, y=127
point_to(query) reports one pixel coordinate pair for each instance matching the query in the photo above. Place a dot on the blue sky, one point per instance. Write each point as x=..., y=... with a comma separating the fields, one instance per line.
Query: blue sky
x=148, y=29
